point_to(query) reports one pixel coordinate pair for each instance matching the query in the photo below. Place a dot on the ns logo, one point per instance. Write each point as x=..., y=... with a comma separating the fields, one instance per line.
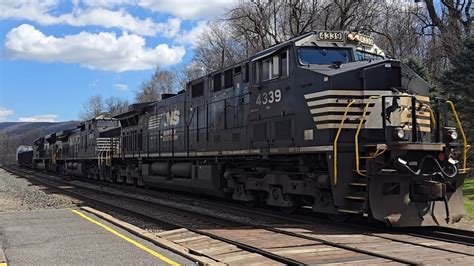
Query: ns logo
x=172, y=118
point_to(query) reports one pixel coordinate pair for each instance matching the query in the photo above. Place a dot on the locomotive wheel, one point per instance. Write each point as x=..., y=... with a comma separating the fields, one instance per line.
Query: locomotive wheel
x=294, y=206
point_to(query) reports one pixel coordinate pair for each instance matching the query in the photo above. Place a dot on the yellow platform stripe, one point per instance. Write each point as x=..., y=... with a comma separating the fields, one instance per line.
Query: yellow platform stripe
x=152, y=252
x=3, y=264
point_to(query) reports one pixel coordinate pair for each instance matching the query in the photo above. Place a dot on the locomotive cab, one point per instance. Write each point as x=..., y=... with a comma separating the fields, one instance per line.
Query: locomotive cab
x=375, y=143
x=394, y=157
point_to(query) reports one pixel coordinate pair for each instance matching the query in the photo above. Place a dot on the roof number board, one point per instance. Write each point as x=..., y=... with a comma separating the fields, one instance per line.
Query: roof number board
x=331, y=36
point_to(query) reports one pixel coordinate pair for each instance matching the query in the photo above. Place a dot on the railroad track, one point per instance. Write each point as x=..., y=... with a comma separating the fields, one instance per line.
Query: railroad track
x=444, y=234
x=289, y=241
x=448, y=234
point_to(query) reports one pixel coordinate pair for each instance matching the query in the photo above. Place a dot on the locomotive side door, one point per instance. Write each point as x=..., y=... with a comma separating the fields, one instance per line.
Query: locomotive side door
x=271, y=120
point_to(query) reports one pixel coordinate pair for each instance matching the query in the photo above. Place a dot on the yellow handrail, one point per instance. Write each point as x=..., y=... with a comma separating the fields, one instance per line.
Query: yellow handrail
x=55, y=156
x=433, y=119
x=337, y=138
x=356, y=141
x=466, y=146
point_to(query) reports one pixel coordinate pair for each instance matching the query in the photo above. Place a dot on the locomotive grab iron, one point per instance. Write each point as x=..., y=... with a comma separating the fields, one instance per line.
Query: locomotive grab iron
x=322, y=120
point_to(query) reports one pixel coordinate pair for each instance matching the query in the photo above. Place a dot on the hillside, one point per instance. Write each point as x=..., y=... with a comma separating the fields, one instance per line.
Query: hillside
x=19, y=128
x=14, y=134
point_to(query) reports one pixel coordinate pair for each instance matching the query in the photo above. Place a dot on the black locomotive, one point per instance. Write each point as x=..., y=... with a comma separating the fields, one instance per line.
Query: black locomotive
x=322, y=120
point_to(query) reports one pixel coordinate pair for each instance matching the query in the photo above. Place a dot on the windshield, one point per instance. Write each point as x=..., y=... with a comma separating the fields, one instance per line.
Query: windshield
x=324, y=55
x=107, y=123
x=365, y=56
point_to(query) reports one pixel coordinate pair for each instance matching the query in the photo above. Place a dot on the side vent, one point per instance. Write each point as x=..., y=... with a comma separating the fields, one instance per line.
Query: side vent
x=260, y=132
x=217, y=138
x=283, y=129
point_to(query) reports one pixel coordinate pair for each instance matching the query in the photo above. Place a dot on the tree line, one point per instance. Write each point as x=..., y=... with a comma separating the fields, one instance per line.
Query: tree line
x=434, y=40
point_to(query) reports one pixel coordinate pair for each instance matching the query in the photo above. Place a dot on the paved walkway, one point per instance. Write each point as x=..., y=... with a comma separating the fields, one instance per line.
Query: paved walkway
x=74, y=237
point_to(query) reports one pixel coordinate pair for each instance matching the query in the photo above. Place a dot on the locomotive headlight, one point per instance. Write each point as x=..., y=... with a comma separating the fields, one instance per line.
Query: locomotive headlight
x=399, y=133
x=453, y=134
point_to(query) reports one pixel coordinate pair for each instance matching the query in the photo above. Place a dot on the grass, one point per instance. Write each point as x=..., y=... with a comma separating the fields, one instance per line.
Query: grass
x=469, y=197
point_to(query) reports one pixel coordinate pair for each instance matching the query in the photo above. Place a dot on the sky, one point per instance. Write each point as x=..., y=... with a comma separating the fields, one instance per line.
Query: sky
x=54, y=54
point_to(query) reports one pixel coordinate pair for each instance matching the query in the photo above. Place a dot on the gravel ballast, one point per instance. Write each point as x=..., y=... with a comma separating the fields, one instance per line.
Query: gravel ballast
x=19, y=194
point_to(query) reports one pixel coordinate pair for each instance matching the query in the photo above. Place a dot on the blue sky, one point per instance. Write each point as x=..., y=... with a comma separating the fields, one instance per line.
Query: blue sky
x=55, y=54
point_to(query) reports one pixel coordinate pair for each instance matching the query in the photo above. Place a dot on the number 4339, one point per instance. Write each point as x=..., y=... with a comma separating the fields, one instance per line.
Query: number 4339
x=268, y=97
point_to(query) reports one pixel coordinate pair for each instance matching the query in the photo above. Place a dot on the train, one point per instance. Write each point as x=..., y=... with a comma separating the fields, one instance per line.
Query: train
x=24, y=156
x=323, y=120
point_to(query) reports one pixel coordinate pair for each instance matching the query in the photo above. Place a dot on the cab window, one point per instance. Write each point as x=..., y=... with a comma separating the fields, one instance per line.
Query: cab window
x=323, y=55
x=365, y=56
x=217, y=82
x=197, y=89
x=228, y=78
x=273, y=67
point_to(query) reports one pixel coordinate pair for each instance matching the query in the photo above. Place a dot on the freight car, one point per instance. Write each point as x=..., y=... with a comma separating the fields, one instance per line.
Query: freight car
x=24, y=156
x=322, y=120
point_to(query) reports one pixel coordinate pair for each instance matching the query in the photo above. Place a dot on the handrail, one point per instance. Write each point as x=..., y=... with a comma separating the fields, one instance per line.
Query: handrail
x=337, y=138
x=356, y=141
x=433, y=119
x=466, y=146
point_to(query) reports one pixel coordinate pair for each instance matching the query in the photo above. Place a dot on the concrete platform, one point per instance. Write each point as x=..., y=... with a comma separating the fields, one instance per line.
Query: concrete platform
x=60, y=237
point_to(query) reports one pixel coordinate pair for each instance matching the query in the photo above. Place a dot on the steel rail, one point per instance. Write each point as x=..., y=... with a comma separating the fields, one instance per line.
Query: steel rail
x=362, y=229
x=153, y=219
x=239, y=244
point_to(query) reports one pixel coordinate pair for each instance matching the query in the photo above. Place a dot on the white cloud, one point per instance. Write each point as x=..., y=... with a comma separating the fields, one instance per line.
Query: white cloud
x=97, y=16
x=184, y=9
x=193, y=34
x=171, y=28
x=23, y=9
x=107, y=19
x=121, y=86
x=39, y=118
x=189, y=9
x=4, y=112
x=108, y=3
x=104, y=51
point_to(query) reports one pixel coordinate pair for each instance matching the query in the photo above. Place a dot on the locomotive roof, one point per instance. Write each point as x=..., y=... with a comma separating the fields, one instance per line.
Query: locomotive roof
x=323, y=38
x=278, y=46
x=320, y=39
x=133, y=109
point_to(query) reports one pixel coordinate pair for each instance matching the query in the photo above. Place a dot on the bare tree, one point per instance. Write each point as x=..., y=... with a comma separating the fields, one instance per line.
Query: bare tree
x=92, y=107
x=218, y=47
x=96, y=105
x=191, y=71
x=453, y=24
x=115, y=105
x=254, y=25
x=398, y=30
x=162, y=81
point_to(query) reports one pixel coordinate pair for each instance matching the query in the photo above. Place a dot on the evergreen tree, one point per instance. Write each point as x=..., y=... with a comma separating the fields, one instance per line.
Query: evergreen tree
x=417, y=66
x=457, y=85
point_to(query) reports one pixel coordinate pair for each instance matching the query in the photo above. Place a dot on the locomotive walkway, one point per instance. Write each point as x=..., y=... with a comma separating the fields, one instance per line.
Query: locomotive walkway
x=74, y=237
